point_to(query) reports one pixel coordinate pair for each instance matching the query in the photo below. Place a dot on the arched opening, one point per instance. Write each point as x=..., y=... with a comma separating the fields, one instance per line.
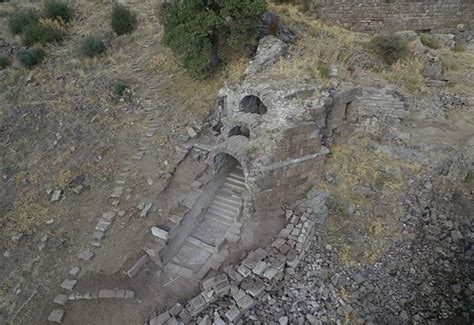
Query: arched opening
x=252, y=104
x=239, y=130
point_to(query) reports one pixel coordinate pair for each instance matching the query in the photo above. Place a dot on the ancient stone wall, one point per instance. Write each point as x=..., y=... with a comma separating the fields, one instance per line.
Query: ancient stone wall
x=446, y=16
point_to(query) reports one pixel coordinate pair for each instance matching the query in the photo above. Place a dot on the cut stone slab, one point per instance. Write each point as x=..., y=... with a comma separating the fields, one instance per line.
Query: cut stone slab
x=56, y=316
x=68, y=284
x=129, y=294
x=61, y=299
x=102, y=226
x=176, y=309
x=232, y=314
x=86, y=255
x=98, y=235
x=75, y=271
x=108, y=216
x=245, y=303
x=191, y=132
x=160, y=319
x=160, y=233
x=138, y=266
x=106, y=293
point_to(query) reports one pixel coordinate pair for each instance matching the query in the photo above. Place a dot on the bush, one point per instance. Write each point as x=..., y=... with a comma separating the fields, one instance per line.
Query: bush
x=323, y=69
x=30, y=58
x=123, y=21
x=57, y=11
x=459, y=48
x=92, y=46
x=119, y=88
x=22, y=19
x=42, y=34
x=390, y=48
x=430, y=41
x=4, y=62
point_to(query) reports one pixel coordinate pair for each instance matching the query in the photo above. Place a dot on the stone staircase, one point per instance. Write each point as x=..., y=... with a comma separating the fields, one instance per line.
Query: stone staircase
x=206, y=248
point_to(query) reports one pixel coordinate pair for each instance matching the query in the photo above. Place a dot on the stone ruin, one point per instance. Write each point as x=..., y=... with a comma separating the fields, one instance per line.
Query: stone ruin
x=278, y=135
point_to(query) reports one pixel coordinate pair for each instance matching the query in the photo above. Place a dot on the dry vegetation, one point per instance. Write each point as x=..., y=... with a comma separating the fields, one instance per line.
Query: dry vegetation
x=361, y=236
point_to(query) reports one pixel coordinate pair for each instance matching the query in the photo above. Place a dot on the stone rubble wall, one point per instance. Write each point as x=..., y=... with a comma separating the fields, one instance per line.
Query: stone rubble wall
x=445, y=16
x=240, y=287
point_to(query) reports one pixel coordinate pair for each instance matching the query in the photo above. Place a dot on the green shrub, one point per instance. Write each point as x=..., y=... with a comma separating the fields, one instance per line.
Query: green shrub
x=42, y=34
x=30, y=58
x=119, y=88
x=389, y=48
x=92, y=46
x=459, y=48
x=4, y=62
x=323, y=69
x=57, y=11
x=21, y=19
x=430, y=41
x=123, y=21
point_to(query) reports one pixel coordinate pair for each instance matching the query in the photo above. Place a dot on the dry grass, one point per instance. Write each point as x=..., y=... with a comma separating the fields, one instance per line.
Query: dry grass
x=25, y=217
x=362, y=237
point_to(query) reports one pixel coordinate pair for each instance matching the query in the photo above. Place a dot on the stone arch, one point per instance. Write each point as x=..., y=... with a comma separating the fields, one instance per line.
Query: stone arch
x=239, y=130
x=235, y=147
x=252, y=104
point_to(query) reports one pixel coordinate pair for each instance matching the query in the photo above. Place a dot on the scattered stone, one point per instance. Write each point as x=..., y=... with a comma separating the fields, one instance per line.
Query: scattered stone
x=74, y=271
x=56, y=316
x=56, y=195
x=86, y=255
x=61, y=299
x=191, y=132
x=68, y=284
x=106, y=293
x=160, y=233
x=145, y=210
x=138, y=266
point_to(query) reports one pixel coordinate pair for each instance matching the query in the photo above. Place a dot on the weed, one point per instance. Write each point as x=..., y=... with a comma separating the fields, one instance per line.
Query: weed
x=58, y=11
x=123, y=21
x=324, y=70
x=119, y=88
x=391, y=48
x=22, y=19
x=4, y=62
x=430, y=41
x=32, y=57
x=42, y=34
x=92, y=46
x=459, y=48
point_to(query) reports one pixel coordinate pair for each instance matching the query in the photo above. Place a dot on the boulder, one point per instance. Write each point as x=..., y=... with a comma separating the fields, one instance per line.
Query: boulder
x=269, y=50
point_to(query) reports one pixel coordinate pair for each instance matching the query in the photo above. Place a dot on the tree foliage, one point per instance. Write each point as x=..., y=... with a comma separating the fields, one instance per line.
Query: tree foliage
x=194, y=29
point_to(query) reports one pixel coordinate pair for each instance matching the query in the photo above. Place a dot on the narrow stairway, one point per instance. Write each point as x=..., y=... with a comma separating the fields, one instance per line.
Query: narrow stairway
x=206, y=249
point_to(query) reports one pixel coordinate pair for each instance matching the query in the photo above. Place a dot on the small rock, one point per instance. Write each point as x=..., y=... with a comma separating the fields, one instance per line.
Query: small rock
x=56, y=195
x=75, y=271
x=61, y=299
x=283, y=320
x=160, y=233
x=56, y=316
x=191, y=132
x=86, y=255
x=68, y=284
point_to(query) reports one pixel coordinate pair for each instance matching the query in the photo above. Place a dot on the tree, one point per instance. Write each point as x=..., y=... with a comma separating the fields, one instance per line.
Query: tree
x=194, y=29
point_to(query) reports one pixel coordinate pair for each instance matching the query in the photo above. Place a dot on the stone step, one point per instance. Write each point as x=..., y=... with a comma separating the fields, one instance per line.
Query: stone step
x=235, y=182
x=229, y=192
x=238, y=176
x=233, y=187
x=235, y=208
x=224, y=197
x=219, y=218
x=222, y=211
x=199, y=244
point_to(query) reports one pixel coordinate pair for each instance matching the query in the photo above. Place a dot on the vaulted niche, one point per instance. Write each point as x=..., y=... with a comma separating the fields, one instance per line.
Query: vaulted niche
x=252, y=104
x=239, y=130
